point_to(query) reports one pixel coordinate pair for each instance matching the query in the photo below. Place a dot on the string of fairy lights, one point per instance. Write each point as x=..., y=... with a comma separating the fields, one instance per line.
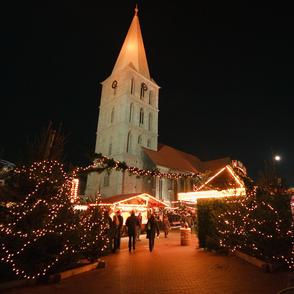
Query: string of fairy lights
x=43, y=174
x=51, y=173
x=102, y=163
x=243, y=229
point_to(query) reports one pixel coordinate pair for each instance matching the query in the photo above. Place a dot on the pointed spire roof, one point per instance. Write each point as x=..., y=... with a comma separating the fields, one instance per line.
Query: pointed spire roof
x=133, y=51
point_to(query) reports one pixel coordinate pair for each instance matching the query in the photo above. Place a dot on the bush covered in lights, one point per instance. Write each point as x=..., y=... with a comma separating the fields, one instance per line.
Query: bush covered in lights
x=42, y=233
x=259, y=224
x=95, y=230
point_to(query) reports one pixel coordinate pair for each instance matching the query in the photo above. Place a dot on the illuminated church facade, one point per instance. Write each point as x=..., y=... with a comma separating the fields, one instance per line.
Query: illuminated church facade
x=128, y=130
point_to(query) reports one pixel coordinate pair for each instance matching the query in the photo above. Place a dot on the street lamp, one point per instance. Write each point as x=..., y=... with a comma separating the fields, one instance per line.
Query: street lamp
x=277, y=157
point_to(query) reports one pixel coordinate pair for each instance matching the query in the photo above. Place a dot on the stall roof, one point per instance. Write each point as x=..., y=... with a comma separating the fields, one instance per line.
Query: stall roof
x=124, y=198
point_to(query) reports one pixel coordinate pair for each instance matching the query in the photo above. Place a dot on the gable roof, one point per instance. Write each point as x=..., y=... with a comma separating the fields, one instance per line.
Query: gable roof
x=178, y=160
x=152, y=201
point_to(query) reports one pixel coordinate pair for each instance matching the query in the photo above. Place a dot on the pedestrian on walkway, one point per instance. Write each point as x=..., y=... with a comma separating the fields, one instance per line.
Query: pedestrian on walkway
x=114, y=233
x=139, y=226
x=132, y=224
x=108, y=221
x=120, y=227
x=152, y=229
x=166, y=225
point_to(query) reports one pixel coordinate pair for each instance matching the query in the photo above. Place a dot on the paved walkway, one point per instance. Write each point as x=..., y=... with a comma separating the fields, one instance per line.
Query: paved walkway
x=169, y=269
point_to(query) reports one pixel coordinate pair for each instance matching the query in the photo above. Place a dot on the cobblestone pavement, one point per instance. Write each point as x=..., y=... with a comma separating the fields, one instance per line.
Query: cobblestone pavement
x=169, y=269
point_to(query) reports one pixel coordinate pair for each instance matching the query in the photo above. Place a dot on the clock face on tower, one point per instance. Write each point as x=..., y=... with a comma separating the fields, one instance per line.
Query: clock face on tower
x=144, y=87
x=114, y=84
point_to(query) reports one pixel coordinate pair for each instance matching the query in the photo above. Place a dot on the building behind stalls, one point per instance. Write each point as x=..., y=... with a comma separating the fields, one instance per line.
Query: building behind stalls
x=128, y=130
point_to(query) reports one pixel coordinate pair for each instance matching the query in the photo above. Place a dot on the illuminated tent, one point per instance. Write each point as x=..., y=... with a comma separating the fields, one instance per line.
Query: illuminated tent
x=224, y=182
x=139, y=202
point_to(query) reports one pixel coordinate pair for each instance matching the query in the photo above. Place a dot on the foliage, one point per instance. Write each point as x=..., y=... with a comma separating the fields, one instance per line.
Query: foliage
x=48, y=145
x=42, y=233
x=96, y=232
x=207, y=213
x=41, y=230
x=259, y=224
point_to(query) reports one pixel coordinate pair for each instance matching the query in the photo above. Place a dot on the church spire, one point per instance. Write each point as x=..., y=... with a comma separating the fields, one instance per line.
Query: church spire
x=133, y=51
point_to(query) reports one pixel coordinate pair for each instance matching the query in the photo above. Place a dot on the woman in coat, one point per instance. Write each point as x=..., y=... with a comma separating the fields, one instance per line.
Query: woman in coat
x=166, y=225
x=152, y=229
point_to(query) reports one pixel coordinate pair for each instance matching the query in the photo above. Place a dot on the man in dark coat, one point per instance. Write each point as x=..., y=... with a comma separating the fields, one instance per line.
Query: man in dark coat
x=152, y=229
x=132, y=223
x=120, y=227
x=109, y=230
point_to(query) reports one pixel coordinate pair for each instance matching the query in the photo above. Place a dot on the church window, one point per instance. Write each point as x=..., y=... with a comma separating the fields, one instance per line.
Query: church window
x=141, y=121
x=144, y=88
x=131, y=112
x=129, y=143
x=112, y=116
x=150, y=122
x=140, y=140
x=106, y=180
x=132, y=86
x=160, y=188
x=150, y=97
x=110, y=147
x=148, y=143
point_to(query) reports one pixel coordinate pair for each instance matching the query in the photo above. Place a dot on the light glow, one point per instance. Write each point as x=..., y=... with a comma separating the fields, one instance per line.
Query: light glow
x=193, y=196
x=277, y=157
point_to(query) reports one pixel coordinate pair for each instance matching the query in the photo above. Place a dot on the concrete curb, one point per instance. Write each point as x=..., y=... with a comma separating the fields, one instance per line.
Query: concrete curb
x=16, y=284
x=54, y=278
x=76, y=271
x=265, y=266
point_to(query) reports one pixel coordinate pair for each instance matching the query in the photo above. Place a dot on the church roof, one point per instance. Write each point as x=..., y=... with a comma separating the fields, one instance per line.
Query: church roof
x=132, y=52
x=178, y=160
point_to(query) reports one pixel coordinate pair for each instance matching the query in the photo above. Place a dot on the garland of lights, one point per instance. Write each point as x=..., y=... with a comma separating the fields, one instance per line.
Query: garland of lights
x=102, y=163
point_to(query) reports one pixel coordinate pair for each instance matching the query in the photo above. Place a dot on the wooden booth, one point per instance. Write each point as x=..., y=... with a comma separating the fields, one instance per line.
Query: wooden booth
x=139, y=202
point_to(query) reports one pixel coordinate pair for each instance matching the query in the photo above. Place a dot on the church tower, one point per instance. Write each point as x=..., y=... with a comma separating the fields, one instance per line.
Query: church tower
x=128, y=117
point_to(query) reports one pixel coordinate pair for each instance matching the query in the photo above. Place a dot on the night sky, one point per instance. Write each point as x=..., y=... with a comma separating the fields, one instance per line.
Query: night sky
x=225, y=71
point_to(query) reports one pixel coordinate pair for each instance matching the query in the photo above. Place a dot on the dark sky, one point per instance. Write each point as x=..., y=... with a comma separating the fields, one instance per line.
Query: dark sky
x=225, y=71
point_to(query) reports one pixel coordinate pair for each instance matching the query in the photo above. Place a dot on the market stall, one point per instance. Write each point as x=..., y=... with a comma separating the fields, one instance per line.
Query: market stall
x=139, y=202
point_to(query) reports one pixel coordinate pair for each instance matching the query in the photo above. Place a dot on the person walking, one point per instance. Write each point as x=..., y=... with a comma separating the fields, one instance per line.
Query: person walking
x=114, y=233
x=120, y=227
x=166, y=225
x=152, y=229
x=108, y=221
x=132, y=224
x=139, y=226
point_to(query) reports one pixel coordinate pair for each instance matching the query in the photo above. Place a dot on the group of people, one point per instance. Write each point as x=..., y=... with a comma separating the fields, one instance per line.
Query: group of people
x=134, y=226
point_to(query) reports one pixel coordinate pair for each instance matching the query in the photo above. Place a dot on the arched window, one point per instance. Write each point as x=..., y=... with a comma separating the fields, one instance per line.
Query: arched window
x=150, y=122
x=132, y=86
x=141, y=121
x=140, y=139
x=129, y=143
x=148, y=143
x=110, y=147
x=106, y=180
x=150, y=97
x=131, y=112
x=112, y=116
